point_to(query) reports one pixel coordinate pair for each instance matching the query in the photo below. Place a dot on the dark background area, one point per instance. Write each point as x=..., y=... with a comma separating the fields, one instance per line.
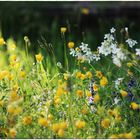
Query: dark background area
x=44, y=19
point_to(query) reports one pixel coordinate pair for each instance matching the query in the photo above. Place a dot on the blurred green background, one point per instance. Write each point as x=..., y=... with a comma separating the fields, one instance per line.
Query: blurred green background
x=86, y=21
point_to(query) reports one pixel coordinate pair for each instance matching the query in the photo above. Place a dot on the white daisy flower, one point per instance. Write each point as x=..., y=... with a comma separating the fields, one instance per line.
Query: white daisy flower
x=131, y=42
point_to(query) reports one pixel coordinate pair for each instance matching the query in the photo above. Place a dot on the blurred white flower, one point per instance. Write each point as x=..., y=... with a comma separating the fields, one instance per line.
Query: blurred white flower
x=116, y=100
x=126, y=29
x=96, y=57
x=72, y=52
x=118, y=82
x=116, y=60
x=84, y=53
x=131, y=42
x=137, y=52
x=112, y=30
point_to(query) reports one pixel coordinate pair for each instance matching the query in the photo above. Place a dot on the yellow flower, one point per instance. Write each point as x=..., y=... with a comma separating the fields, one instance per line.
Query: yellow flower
x=11, y=109
x=59, y=91
x=80, y=124
x=80, y=75
x=103, y=81
x=116, y=112
x=27, y=120
x=22, y=74
x=89, y=74
x=1, y=76
x=77, y=49
x=39, y=57
x=130, y=73
x=95, y=87
x=63, y=125
x=50, y=116
x=129, y=64
x=63, y=29
x=10, y=76
x=43, y=122
x=105, y=123
x=110, y=112
x=85, y=11
x=118, y=118
x=88, y=93
x=84, y=111
x=61, y=133
x=55, y=127
x=2, y=42
x=13, y=58
x=123, y=93
x=15, y=87
x=79, y=93
x=128, y=135
x=99, y=74
x=134, y=106
x=12, y=133
x=17, y=110
x=96, y=98
x=14, y=96
x=71, y=45
x=57, y=100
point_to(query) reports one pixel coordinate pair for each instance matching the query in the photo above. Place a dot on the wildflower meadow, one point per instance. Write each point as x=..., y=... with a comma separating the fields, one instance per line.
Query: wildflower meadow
x=93, y=93
x=97, y=98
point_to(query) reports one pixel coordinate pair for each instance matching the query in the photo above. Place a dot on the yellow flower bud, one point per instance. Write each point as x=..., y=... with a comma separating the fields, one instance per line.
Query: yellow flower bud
x=63, y=29
x=71, y=45
x=39, y=57
x=123, y=93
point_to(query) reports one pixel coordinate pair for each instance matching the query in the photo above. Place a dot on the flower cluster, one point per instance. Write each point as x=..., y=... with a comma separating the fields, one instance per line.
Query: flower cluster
x=84, y=53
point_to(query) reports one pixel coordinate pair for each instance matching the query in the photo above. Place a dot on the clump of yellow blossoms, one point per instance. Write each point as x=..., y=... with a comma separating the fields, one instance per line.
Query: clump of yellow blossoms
x=115, y=113
x=14, y=109
x=122, y=136
x=80, y=124
x=70, y=45
x=103, y=81
x=39, y=57
x=59, y=128
x=105, y=123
